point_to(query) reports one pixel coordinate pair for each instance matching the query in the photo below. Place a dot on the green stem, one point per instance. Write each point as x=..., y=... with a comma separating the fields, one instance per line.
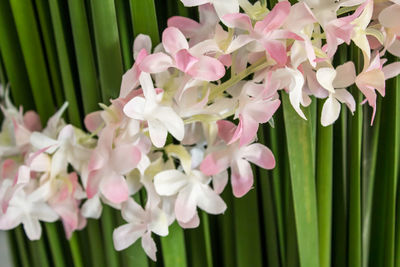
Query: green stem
x=258, y=65
x=207, y=238
x=22, y=250
x=324, y=188
x=107, y=224
x=354, y=167
x=55, y=244
x=75, y=251
x=96, y=244
x=173, y=247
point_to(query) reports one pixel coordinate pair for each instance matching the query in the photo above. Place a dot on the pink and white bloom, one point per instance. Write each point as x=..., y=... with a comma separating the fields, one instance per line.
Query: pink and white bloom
x=237, y=158
x=160, y=118
x=141, y=223
x=191, y=61
x=191, y=188
x=335, y=81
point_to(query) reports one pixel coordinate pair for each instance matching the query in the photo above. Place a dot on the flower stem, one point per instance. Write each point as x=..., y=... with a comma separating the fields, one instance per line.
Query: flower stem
x=256, y=66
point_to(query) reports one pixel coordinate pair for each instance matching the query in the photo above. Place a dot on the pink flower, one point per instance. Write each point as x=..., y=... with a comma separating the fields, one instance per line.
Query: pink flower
x=237, y=158
x=197, y=65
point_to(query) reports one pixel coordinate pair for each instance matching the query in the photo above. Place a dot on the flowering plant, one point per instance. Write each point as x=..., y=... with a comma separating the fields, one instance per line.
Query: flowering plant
x=209, y=84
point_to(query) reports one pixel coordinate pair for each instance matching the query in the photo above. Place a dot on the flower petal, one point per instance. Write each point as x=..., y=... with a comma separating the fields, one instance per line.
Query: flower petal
x=158, y=133
x=260, y=155
x=185, y=205
x=125, y=158
x=173, y=40
x=325, y=77
x=114, y=188
x=126, y=235
x=330, y=111
x=149, y=246
x=207, y=69
x=155, y=63
x=169, y=182
x=241, y=177
x=209, y=201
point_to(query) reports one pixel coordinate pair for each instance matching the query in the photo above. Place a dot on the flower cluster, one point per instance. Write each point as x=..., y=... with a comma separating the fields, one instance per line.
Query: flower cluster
x=177, y=88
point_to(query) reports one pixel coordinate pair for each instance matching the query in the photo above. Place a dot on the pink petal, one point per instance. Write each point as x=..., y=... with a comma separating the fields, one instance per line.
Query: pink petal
x=141, y=42
x=130, y=80
x=125, y=158
x=241, y=177
x=187, y=26
x=276, y=50
x=215, y=163
x=192, y=223
x=93, y=183
x=249, y=129
x=173, y=40
x=207, y=69
x=391, y=70
x=262, y=111
x=114, y=188
x=238, y=20
x=260, y=155
x=185, y=205
x=184, y=60
x=155, y=63
x=32, y=121
x=275, y=18
x=226, y=130
x=93, y=121
x=345, y=97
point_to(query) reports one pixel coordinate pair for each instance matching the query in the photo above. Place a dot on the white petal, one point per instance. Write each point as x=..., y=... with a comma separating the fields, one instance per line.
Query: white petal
x=32, y=228
x=169, y=182
x=159, y=222
x=131, y=211
x=92, y=208
x=149, y=246
x=345, y=97
x=141, y=41
x=135, y=107
x=171, y=121
x=44, y=213
x=325, y=77
x=126, y=235
x=209, y=201
x=185, y=205
x=330, y=111
x=158, y=133
x=40, y=141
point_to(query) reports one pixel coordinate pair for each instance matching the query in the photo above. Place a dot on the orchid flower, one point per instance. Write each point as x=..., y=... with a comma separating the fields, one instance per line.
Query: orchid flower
x=237, y=157
x=141, y=223
x=222, y=7
x=191, y=188
x=369, y=79
x=186, y=59
x=161, y=119
x=29, y=208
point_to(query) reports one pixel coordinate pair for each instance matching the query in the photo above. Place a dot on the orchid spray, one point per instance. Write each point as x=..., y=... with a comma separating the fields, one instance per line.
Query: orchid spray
x=187, y=116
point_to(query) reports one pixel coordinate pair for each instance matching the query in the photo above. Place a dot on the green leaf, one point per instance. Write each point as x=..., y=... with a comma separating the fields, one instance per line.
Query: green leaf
x=247, y=229
x=65, y=64
x=107, y=223
x=90, y=88
x=46, y=29
x=301, y=160
x=13, y=59
x=354, y=175
x=107, y=47
x=324, y=188
x=55, y=244
x=29, y=37
x=144, y=19
x=75, y=251
x=173, y=247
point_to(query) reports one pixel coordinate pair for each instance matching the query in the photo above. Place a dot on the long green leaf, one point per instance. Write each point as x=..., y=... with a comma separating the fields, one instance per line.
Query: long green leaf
x=33, y=55
x=324, y=188
x=108, y=47
x=55, y=244
x=22, y=249
x=90, y=88
x=107, y=223
x=13, y=59
x=124, y=24
x=247, y=228
x=75, y=251
x=65, y=63
x=46, y=29
x=174, y=245
x=144, y=19
x=301, y=160
x=268, y=211
x=354, y=169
